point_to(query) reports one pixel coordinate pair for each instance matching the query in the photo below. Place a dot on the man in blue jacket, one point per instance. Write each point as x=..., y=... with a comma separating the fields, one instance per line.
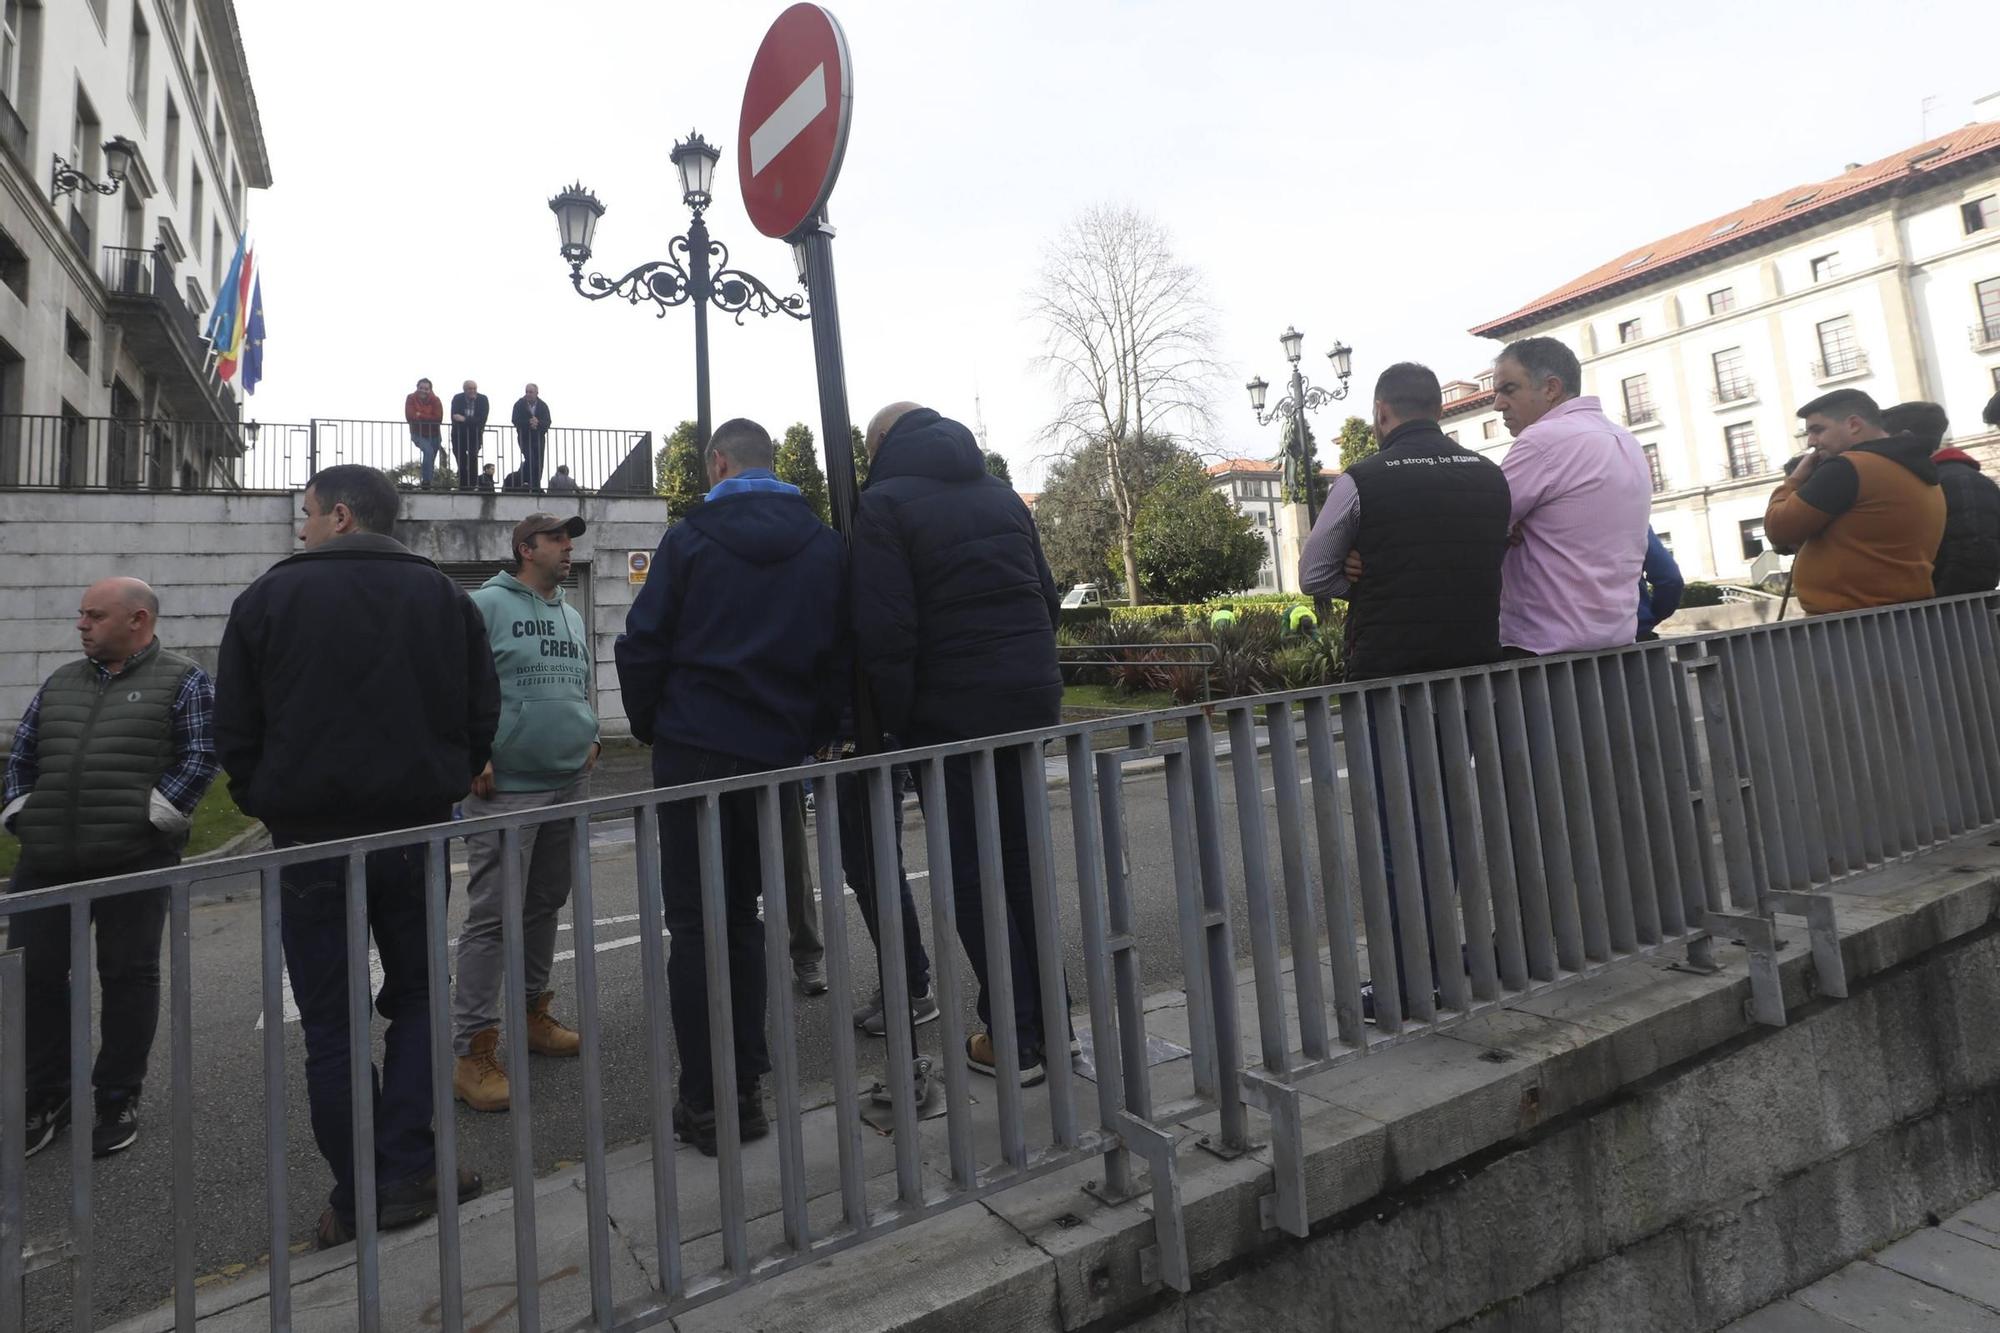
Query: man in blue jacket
x=733, y=660
x=955, y=611
x=1660, y=586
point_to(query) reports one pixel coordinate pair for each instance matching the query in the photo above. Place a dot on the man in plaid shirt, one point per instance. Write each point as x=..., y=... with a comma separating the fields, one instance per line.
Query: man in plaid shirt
x=108, y=764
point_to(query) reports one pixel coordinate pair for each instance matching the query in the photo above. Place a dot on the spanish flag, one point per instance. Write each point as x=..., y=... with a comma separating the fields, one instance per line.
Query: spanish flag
x=230, y=351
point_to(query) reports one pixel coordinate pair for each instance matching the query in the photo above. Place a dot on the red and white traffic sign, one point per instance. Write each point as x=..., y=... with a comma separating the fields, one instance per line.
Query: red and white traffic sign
x=793, y=130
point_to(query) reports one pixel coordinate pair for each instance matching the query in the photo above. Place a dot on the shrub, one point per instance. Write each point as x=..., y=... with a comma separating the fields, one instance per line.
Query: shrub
x=1701, y=594
x=1074, y=616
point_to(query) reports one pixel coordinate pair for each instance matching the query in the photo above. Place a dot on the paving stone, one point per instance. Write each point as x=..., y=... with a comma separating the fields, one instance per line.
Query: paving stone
x=1965, y=1267
x=1877, y=1300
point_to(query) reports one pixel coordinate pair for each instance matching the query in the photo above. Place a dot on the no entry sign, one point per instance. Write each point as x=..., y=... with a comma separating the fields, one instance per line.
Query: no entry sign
x=793, y=131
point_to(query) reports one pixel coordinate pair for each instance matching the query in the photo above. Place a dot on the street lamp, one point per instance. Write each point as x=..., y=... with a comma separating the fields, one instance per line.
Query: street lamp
x=1302, y=398
x=119, y=154
x=696, y=270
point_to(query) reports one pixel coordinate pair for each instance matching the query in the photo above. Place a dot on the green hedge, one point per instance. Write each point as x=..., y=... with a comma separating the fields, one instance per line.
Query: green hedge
x=1075, y=617
x=1701, y=594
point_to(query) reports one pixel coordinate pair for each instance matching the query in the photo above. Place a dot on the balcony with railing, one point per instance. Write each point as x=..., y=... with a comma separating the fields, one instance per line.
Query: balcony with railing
x=1843, y=365
x=1986, y=333
x=163, y=334
x=1731, y=392
x=1641, y=414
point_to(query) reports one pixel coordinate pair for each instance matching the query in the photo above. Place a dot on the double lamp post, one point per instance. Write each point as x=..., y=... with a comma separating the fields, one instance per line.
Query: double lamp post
x=1293, y=407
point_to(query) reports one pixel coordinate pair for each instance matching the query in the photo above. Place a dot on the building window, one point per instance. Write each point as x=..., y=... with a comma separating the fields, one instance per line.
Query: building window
x=1732, y=385
x=86, y=151
x=1722, y=302
x=172, y=148
x=1988, y=293
x=1666, y=541
x=1839, y=353
x=101, y=10
x=1826, y=266
x=13, y=267
x=1451, y=435
x=221, y=137
x=194, y=213
x=1639, y=407
x=138, y=65
x=1979, y=215
x=76, y=341
x=215, y=255
x=1745, y=458
x=1996, y=379
x=1652, y=452
x=10, y=51
x=200, y=83
x=1489, y=429
x=1751, y=530
x=1631, y=331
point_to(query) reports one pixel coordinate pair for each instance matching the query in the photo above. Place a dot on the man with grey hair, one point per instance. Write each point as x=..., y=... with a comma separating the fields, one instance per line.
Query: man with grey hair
x=109, y=762
x=733, y=660
x=531, y=427
x=1582, y=493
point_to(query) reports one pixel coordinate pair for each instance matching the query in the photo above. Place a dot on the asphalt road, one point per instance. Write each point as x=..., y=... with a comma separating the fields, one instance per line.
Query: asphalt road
x=132, y=1196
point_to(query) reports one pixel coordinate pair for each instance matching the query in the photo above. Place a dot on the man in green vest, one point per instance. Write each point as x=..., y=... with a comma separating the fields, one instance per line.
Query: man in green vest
x=108, y=764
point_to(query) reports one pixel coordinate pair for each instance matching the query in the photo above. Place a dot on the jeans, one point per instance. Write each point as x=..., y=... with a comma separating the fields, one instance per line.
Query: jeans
x=680, y=889
x=857, y=857
x=430, y=449
x=129, y=929
x=315, y=936
x=545, y=886
x=1023, y=956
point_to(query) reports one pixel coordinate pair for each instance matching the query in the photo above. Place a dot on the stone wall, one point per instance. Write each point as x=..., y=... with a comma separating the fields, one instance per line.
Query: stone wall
x=199, y=551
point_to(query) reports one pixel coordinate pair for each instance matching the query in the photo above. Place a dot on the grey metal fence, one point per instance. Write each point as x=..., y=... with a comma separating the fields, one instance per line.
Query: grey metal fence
x=1459, y=841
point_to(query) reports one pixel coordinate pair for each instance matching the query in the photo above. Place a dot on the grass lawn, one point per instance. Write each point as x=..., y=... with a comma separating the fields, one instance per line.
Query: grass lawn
x=216, y=821
x=1110, y=699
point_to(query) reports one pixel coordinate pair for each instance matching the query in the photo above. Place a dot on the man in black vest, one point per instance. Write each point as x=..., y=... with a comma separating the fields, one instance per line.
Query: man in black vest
x=108, y=764
x=358, y=696
x=1427, y=521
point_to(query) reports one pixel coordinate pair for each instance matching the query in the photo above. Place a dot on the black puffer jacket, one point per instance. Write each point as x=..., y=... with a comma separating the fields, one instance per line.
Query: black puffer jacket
x=954, y=604
x=1968, y=559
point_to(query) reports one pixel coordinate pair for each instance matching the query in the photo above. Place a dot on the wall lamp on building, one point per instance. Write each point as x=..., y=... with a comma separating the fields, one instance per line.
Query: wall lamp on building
x=695, y=272
x=119, y=154
x=1302, y=398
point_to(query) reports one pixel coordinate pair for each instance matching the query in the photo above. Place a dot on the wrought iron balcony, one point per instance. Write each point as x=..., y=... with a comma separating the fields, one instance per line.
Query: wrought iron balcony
x=1740, y=390
x=1986, y=333
x=1840, y=367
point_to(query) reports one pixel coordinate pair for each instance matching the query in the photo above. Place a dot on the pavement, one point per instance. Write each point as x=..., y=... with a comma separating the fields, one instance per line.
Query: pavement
x=1942, y=1279
x=133, y=1232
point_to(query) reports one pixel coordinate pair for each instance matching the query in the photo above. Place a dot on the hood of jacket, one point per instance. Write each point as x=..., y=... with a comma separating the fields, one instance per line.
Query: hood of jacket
x=1911, y=453
x=1948, y=454
x=508, y=583
x=761, y=527
x=927, y=444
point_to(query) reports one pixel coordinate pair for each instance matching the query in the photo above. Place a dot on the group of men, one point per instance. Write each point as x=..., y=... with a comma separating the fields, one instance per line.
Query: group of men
x=360, y=691
x=424, y=413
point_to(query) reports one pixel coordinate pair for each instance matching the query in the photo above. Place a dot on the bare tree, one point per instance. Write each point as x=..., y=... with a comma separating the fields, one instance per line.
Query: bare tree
x=1126, y=337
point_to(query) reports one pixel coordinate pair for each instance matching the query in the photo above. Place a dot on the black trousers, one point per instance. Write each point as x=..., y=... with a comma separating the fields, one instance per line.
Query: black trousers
x=129, y=929
x=465, y=451
x=857, y=855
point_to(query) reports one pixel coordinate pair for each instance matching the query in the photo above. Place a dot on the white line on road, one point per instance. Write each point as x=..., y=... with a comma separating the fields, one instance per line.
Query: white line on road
x=789, y=121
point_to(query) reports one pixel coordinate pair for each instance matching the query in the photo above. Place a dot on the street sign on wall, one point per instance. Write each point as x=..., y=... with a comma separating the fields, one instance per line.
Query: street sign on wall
x=793, y=130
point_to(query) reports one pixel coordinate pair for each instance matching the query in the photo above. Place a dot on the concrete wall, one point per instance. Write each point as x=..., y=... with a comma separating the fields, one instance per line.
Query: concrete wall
x=200, y=551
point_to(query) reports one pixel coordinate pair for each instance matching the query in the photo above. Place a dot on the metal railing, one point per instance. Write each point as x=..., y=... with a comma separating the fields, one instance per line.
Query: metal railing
x=1986, y=332
x=1072, y=657
x=1736, y=390
x=599, y=459
x=1462, y=841
x=115, y=453
x=133, y=272
x=1854, y=362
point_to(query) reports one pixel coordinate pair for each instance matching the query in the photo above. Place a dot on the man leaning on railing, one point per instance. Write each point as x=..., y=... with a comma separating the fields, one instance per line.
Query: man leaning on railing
x=357, y=695
x=108, y=764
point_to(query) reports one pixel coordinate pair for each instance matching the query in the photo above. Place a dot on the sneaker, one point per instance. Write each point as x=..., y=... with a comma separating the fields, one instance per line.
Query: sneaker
x=811, y=977
x=869, y=1016
x=117, y=1126
x=408, y=1202
x=44, y=1123
x=478, y=1079
x=923, y=1009
x=547, y=1036
x=695, y=1128
x=751, y=1120
x=983, y=1059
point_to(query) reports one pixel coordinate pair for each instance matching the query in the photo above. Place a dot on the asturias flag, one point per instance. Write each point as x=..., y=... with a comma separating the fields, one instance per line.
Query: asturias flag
x=229, y=352
x=253, y=344
x=221, y=330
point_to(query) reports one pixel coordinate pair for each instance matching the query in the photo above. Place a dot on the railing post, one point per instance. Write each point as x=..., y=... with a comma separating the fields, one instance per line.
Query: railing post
x=312, y=447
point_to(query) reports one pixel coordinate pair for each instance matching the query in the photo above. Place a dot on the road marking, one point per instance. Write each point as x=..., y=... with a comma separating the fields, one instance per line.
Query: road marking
x=789, y=121
x=603, y=946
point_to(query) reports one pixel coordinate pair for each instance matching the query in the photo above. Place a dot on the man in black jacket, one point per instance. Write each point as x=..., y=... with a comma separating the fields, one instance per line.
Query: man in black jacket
x=1413, y=536
x=1968, y=558
x=356, y=695
x=468, y=431
x=955, y=611
x=531, y=429
x=733, y=661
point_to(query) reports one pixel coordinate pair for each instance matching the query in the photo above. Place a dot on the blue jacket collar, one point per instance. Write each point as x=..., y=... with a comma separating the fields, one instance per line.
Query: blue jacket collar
x=752, y=479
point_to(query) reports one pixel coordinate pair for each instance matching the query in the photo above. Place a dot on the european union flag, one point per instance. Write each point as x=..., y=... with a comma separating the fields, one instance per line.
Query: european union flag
x=253, y=338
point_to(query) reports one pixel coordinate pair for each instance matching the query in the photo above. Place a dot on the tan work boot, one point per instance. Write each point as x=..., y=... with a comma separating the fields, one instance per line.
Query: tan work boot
x=478, y=1079
x=545, y=1035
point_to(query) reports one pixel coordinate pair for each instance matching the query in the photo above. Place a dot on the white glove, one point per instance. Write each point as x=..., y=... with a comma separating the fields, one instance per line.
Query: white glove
x=13, y=809
x=164, y=814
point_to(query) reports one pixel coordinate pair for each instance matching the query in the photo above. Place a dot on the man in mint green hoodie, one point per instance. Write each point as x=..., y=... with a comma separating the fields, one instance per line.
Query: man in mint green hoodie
x=542, y=756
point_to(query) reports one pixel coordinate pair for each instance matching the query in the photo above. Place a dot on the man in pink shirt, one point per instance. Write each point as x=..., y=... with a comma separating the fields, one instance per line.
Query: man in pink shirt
x=1582, y=496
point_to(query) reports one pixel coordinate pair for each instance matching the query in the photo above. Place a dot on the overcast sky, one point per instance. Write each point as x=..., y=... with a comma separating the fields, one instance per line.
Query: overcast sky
x=1386, y=174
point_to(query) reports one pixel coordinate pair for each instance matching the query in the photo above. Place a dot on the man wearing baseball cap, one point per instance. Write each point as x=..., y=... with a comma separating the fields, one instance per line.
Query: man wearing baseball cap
x=542, y=756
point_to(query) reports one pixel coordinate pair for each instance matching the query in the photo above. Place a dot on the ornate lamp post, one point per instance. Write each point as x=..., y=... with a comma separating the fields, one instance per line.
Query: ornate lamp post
x=697, y=268
x=1303, y=397
x=65, y=178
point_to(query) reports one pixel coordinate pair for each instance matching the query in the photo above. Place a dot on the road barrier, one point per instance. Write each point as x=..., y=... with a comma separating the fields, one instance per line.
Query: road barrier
x=1462, y=840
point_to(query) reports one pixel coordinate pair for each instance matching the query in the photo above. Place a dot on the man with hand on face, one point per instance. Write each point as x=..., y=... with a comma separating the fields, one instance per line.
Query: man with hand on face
x=542, y=756
x=468, y=432
x=357, y=696
x=109, y=762
x=1861, y=507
